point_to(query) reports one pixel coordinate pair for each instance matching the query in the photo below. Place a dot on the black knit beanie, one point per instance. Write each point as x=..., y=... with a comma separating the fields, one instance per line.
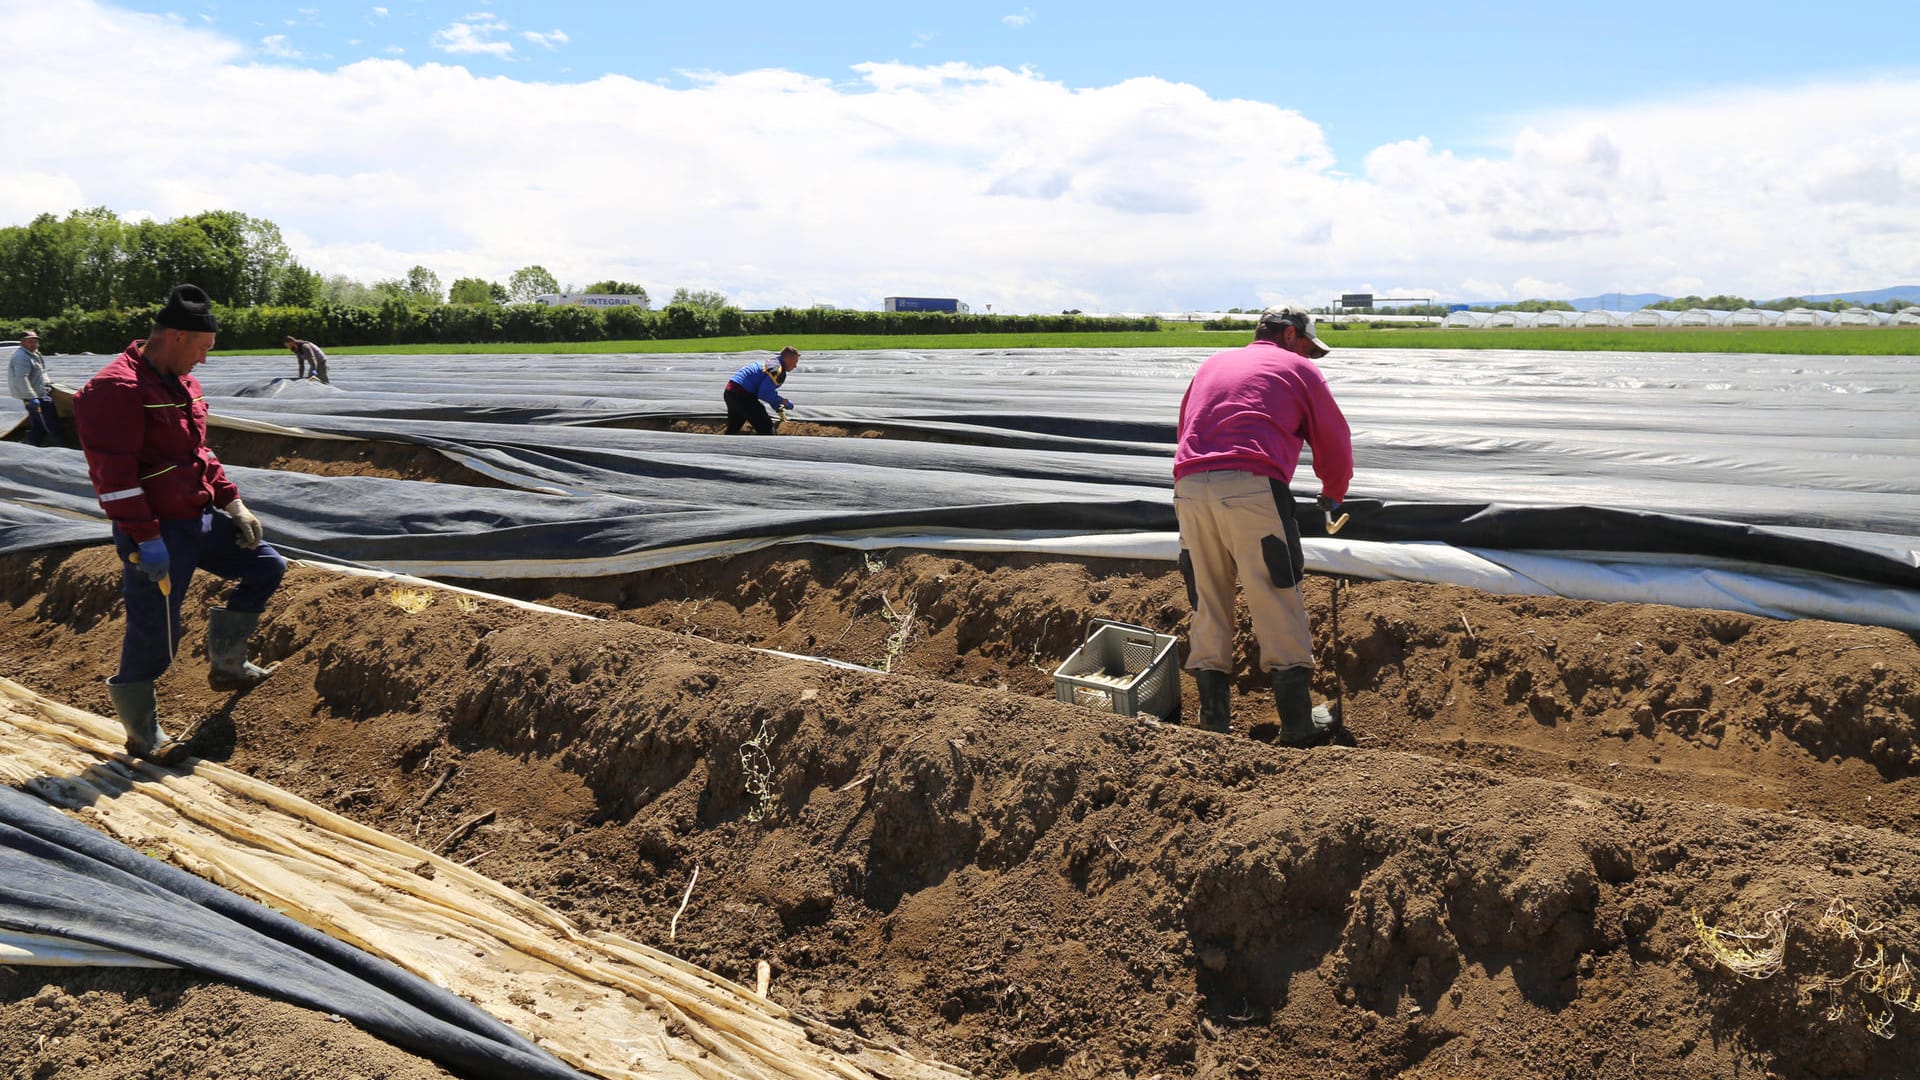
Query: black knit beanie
x=188, y=307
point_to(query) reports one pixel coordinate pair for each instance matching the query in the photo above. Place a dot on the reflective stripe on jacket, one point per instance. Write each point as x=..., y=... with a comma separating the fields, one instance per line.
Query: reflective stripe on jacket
x=145, y=437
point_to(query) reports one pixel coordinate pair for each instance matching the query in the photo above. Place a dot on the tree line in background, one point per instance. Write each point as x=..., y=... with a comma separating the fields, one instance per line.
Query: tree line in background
x=91, y=260
x=92, y=282
x=397, y=322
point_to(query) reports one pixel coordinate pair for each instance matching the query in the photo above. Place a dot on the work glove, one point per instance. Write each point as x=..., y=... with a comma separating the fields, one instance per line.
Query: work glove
x=1326, y=505
x=153, y=560
x=246, y=527
x=785, y=404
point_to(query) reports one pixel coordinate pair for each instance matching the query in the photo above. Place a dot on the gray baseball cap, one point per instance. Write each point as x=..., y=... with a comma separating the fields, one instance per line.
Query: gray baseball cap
x=1287, y=314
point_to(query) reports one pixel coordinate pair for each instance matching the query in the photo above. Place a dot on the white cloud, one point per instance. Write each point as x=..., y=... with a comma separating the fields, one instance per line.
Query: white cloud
x=395, y=50
x=380, y=11
x=547, y=41
x=995, y=185
x=276, y=46
x=1024, y=17
x=473, y=34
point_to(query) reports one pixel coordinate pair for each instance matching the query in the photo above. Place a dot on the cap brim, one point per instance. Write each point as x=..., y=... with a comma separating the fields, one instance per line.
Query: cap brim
x=1319, y=348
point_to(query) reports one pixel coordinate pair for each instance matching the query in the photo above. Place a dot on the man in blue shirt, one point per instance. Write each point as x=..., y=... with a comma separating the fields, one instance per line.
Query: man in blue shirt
x=755, y=387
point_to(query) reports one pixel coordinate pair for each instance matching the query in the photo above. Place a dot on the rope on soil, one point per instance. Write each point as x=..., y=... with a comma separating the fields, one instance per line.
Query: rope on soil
x=1750, y=954
x=897, y=641
x=756, y=762
x=1874, y=986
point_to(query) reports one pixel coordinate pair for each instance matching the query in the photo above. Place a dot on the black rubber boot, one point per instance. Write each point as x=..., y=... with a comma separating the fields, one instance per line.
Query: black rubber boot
x=139, y=713
x=1293, y=700
x=1302, y=723
x=227, y=664
x=1216, y=699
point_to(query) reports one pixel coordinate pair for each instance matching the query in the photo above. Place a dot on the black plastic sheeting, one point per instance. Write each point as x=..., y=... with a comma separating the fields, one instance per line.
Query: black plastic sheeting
x=1804, y=462
x=62, y=879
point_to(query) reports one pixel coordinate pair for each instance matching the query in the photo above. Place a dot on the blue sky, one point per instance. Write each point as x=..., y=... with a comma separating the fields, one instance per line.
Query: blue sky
x=1452, y=73
x=1117, y=156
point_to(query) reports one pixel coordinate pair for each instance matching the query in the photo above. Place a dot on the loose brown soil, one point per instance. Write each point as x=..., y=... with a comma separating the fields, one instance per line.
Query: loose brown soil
x=342, y=457
x=1501, y=881
x=65, y=1022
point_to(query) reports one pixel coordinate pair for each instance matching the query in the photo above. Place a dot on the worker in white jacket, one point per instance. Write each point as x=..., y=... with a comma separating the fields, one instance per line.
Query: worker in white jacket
x=27, y=380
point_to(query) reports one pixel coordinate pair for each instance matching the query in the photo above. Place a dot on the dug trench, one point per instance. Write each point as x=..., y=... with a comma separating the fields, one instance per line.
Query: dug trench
x=1518, y=873
x=342, y=457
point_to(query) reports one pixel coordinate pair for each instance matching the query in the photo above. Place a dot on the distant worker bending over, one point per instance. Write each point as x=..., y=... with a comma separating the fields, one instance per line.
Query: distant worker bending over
x=312, y=362
x=1242, y=424
x=143, y=424
x=755, y=388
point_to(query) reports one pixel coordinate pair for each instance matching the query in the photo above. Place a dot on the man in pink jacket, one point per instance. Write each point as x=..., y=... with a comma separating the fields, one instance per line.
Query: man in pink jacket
x=1242, y=423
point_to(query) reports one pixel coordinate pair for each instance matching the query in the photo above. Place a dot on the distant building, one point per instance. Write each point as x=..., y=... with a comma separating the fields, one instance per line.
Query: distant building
x=926, y=303
x=574, y=299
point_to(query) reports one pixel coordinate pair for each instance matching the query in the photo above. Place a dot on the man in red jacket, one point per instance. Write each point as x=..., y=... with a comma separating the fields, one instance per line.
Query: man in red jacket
x=1242, y=423
x=143, y=425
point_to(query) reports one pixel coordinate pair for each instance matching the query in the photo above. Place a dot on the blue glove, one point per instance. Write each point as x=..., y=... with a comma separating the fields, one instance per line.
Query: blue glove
x=154, y=560
x=1326, y=505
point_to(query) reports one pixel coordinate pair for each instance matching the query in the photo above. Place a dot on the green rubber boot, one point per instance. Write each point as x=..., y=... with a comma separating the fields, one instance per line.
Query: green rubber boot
x=139, y=713
x=227, y=634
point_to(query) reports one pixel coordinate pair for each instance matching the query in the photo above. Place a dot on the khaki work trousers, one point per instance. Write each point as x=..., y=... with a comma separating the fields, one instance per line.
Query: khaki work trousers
x=1231, y=524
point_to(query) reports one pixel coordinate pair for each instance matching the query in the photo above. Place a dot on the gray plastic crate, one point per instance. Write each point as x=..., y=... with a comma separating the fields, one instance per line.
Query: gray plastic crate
x=1122, y=669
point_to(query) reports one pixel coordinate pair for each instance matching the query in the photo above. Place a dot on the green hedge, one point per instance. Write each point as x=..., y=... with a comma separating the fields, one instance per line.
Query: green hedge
x=398, y=323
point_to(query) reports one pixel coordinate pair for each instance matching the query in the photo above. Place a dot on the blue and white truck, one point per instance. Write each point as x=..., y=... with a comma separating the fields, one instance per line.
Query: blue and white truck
x=926, y=303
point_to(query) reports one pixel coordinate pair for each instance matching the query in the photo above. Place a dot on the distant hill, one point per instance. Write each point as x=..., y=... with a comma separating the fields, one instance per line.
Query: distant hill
x=1909, y=293
x=1614, y=301
x=1636, y=301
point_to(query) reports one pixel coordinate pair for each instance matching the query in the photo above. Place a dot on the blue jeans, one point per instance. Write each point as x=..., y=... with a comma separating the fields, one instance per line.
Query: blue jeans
x=209, y=543
x=43, y=422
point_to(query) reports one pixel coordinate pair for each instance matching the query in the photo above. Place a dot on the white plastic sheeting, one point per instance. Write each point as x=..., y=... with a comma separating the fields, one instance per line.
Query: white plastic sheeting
x=21, y=949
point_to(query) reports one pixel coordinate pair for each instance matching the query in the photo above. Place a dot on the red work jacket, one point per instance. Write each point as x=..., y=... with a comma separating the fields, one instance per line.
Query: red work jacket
x=145, y=437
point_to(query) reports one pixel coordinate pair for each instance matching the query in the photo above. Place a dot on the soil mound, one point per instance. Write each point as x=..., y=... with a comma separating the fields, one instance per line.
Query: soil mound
x=90, y=1022
x=342, y=457
x=1558, y=812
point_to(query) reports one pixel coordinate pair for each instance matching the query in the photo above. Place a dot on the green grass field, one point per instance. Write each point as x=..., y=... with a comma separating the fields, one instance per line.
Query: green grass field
x=1799, y=340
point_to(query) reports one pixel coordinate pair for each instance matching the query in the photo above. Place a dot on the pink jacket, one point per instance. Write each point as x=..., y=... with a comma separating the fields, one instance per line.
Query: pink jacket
x=1251, y=408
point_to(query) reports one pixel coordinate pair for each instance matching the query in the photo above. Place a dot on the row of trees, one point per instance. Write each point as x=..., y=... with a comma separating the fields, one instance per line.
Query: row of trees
x=397, y=322
x=91, y=260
